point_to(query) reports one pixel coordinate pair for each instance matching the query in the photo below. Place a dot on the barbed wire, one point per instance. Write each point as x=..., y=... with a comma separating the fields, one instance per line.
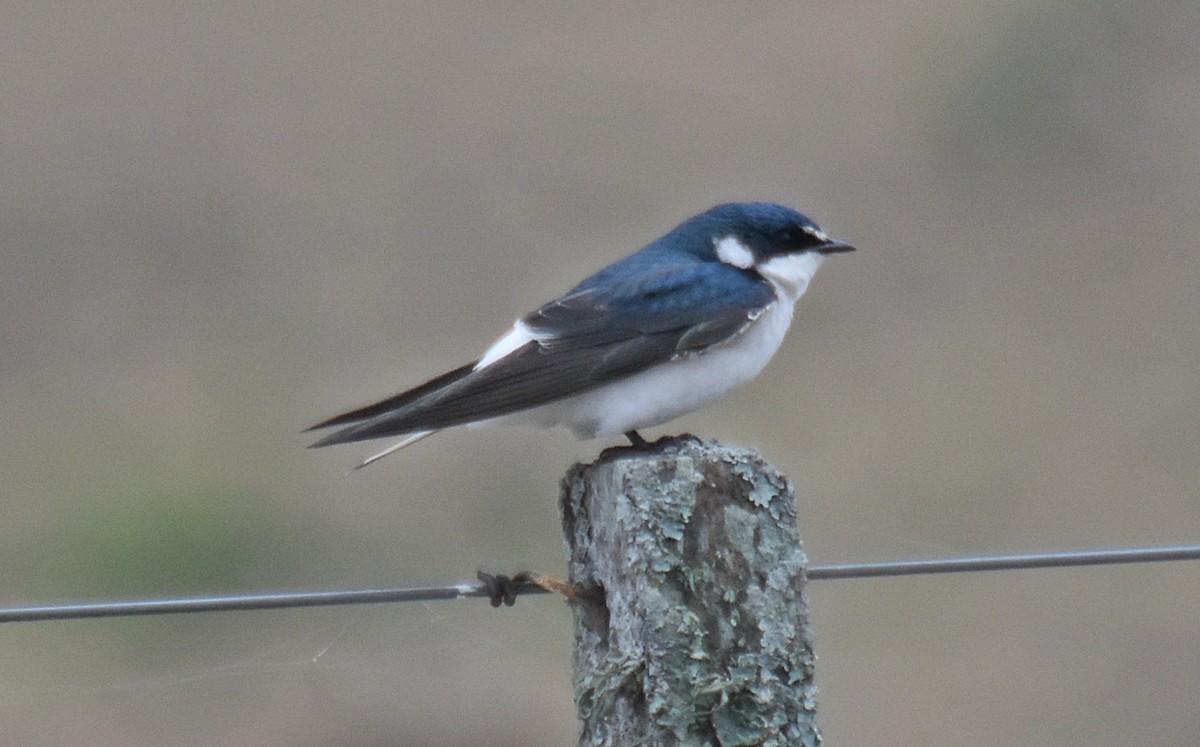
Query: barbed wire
x=475, y=589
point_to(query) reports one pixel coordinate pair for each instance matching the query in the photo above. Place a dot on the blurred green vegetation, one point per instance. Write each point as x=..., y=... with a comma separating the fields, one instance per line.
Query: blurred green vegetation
x=159, y=538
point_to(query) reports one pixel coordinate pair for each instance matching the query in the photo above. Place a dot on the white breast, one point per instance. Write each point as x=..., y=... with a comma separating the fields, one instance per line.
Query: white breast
x=671, y=389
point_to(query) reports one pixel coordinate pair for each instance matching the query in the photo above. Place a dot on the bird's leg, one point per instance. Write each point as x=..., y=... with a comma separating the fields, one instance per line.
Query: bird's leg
x=635, y=439
x=502, y=589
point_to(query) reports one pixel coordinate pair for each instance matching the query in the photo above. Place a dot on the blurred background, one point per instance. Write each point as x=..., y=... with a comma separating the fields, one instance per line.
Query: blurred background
x=221, y=222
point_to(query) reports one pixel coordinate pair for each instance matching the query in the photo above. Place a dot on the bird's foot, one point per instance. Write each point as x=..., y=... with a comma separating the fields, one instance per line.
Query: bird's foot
x=502, y=589
x=635, y=440
x=638, y=444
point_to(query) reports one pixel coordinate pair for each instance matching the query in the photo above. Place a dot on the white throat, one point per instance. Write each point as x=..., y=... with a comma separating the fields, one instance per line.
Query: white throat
x=791, y=273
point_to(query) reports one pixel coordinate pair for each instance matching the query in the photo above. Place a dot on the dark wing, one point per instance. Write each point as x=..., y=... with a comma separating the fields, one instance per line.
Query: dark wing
x=596, y=333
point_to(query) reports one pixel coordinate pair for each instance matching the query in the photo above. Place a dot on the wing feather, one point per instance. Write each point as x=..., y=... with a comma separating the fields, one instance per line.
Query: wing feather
x=593, y=335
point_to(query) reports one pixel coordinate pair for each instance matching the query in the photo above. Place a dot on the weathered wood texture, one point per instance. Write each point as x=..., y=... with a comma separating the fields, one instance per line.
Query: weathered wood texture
x=703, y=637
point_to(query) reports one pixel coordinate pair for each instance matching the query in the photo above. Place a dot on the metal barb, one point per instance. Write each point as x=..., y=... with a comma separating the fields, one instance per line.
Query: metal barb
x=471, y=589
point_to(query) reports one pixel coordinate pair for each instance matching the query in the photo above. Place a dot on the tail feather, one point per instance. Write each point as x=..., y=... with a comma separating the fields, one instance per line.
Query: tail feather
x=412, y=439
x=388, y=405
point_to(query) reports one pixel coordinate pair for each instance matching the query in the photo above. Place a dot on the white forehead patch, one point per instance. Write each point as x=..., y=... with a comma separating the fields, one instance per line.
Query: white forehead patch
x=816, y=233
x=732, y=251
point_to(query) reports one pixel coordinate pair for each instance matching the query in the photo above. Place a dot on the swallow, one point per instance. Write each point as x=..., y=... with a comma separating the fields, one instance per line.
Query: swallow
x=691, y=316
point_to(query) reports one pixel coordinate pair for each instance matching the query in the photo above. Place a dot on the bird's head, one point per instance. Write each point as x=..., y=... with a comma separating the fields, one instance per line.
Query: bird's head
x=781, y=244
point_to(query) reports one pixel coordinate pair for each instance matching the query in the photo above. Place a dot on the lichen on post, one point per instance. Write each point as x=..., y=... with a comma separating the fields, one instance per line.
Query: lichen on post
x=702, y=636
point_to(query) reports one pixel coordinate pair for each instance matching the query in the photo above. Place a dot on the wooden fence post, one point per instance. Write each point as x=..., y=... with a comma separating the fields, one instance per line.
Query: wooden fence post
x=703, y=636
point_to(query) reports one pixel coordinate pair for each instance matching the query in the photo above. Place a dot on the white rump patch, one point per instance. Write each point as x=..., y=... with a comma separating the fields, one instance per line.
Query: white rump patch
x=732, y=251
x=514, y=340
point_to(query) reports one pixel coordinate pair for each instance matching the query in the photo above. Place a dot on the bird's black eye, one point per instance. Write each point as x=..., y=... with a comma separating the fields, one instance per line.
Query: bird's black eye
x=796, y=237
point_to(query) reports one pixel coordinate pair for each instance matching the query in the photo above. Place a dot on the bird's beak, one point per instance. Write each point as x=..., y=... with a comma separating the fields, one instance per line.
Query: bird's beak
x=834, y=246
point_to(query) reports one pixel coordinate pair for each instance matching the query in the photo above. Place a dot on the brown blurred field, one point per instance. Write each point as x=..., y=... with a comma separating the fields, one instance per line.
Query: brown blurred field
x=221, y=222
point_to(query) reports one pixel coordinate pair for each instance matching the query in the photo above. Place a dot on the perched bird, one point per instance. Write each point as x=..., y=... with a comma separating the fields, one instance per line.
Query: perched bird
x=693, y=315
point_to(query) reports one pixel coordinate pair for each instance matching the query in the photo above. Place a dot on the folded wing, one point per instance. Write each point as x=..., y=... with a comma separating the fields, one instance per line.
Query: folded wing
x=597, y=333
